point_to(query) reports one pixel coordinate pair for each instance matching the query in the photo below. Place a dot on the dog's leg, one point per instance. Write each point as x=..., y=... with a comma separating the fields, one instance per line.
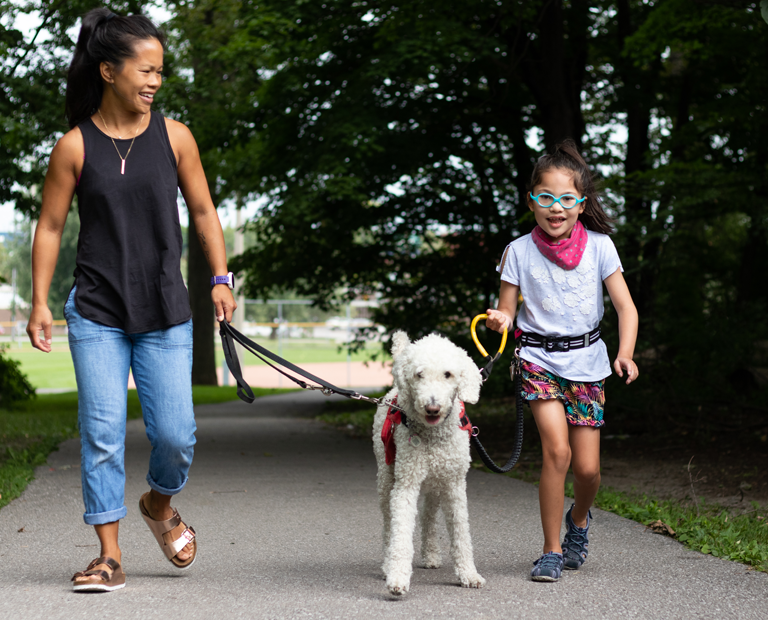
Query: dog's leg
x=398, y=559
x=430, y=546
x=454, y=503
x=385, y=481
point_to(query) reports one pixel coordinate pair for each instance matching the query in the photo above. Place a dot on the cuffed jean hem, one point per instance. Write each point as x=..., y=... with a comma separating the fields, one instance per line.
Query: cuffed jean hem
x=100, y=518
x=153, y=485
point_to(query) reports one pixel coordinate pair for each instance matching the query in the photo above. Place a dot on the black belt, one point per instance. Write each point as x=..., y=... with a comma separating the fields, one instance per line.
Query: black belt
x=565, y=343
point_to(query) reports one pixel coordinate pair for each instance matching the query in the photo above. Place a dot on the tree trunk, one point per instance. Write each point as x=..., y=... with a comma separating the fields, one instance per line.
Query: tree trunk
x=554, y=73
x=637, y=99
x=199, y=284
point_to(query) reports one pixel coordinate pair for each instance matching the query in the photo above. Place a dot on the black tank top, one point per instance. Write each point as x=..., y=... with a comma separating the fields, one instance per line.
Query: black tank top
x=128, y=271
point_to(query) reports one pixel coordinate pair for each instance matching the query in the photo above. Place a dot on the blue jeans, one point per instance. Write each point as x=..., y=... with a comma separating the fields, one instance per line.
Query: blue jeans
x=161, y=361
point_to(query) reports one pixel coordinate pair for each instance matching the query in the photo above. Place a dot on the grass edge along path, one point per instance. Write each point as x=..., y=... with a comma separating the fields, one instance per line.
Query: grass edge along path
x=30, y=432
x=704, y=527
x=707, y=528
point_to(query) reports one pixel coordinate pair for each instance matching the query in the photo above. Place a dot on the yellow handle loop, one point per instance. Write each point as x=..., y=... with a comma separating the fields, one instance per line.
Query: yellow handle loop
x=473, y=330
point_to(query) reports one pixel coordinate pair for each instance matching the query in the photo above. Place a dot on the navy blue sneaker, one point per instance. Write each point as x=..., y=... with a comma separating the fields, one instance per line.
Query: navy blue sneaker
x=548, y=567
x=576, y=542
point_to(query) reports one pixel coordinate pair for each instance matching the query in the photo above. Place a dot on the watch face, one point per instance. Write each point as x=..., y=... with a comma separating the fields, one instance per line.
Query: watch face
x=231, y=278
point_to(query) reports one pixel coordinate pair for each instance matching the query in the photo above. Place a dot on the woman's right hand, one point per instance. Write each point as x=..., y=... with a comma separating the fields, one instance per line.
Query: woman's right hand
x=497, y=321
x=40, y=320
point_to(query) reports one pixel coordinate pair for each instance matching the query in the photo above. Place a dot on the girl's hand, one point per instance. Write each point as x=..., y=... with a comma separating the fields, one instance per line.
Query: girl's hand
x=497, y=321
x=40, y=320
x=625, y=363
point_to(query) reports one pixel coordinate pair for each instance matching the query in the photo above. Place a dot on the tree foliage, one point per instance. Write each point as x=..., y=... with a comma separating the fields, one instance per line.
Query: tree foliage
x=391, y=144
x=14, y=385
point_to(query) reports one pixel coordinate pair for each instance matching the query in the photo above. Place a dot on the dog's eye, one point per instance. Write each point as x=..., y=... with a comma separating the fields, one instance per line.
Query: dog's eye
x=420, y=375
x=447, y=375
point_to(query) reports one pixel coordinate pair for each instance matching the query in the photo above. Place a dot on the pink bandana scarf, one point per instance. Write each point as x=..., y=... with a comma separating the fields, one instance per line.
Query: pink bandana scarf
x=565, y=253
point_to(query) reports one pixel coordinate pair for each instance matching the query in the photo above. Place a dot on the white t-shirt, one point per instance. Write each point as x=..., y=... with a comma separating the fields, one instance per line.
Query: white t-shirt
x=559, y=303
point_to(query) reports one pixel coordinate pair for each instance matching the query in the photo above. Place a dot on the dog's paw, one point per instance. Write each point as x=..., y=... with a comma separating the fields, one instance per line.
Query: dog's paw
x=397, y=587
x=472, y=581
x=432, y=561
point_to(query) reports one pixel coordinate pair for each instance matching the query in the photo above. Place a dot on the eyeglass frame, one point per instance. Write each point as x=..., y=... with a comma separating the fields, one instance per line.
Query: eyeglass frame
x=536, y=199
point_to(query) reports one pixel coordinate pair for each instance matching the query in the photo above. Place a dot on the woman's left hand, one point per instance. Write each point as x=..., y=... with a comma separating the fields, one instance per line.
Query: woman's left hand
x=625, y=363
x=224, y=302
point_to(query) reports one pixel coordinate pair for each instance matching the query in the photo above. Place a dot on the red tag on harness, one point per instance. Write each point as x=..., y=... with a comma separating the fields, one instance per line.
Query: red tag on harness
x=394, y=418
x=388, y=433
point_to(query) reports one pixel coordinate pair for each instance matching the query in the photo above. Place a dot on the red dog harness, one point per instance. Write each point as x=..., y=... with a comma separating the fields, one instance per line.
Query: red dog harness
x=395, y=417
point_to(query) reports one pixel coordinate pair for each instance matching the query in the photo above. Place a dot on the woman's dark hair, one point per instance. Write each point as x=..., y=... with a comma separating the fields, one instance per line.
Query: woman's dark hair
x=566, y=156
x=104, y=37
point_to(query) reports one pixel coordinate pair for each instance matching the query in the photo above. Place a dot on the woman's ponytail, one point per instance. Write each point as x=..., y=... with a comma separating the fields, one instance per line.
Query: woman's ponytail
x=104, y=37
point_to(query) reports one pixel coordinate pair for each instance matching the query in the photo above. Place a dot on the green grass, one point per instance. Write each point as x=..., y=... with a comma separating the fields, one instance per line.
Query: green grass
x=707, y=528
x=55, y=369
x=29, y=433
x=45, y=370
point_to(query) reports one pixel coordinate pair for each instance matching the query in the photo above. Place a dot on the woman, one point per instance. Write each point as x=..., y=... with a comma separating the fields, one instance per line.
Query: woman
x=129, y=307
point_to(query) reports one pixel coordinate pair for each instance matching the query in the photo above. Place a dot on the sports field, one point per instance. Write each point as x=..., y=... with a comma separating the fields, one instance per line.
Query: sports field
x=54, y=370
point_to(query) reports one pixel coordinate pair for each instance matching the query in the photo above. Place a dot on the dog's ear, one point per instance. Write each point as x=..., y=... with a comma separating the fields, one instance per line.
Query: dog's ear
x=399, y=342
x=471, y=381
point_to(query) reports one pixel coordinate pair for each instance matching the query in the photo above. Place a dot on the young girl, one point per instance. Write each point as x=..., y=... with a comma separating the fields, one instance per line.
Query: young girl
x=129, y=307
x=559, y=269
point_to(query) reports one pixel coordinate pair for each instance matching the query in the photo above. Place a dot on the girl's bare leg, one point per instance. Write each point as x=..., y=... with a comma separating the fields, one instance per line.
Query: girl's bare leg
x=553, y=429
x=585, y=446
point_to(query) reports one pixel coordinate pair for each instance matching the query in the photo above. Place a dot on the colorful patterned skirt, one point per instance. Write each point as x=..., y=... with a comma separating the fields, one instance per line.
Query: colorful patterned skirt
x=583, y=401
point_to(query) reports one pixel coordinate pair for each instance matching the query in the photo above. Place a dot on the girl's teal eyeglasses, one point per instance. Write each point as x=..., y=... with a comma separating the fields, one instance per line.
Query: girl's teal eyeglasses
x=567, y=201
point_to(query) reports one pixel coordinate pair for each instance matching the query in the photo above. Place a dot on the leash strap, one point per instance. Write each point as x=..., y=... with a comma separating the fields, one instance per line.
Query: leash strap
x=484, y=456
x=229, y=335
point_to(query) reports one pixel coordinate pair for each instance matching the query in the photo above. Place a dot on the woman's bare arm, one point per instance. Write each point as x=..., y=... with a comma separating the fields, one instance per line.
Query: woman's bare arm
x=194, y=188
x=64, y=168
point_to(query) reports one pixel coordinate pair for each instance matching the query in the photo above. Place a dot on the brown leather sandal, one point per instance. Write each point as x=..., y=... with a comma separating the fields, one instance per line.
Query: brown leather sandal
x=105, y=581
x=172, y=535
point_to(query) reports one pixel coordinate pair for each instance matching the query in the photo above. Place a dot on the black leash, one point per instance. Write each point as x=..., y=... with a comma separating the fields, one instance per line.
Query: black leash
x=484, y=456
x=229, y=335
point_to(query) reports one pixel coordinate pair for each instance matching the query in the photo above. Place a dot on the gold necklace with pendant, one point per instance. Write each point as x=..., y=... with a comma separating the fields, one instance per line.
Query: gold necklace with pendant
x=109, y=131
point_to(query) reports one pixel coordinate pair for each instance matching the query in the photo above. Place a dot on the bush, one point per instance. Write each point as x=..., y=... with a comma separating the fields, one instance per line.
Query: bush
x=14, y=385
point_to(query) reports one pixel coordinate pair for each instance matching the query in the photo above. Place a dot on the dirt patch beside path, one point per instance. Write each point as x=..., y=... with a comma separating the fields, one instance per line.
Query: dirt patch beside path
x=728, y=469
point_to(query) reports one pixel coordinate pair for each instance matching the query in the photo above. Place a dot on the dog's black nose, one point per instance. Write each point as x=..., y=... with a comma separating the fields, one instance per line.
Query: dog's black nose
x=432, y=409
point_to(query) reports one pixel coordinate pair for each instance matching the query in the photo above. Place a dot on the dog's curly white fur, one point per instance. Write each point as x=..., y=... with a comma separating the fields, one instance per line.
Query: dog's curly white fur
x=431, y=377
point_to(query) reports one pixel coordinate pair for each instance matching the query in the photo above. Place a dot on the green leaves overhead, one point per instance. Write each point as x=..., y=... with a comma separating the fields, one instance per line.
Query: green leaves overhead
x=390, y=145
x=32, y=81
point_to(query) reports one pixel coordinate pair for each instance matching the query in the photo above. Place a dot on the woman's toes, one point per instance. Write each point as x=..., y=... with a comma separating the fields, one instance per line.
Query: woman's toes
x=185, y=553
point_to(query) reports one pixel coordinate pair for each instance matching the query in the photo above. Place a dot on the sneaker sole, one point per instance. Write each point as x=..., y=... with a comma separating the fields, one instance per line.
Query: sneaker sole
x=544, y=578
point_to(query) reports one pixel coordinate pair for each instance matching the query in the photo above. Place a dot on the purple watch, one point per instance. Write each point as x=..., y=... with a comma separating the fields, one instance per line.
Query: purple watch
x=228, y=279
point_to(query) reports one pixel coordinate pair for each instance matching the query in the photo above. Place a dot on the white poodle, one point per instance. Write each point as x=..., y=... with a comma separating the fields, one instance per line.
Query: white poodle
x=432, y=377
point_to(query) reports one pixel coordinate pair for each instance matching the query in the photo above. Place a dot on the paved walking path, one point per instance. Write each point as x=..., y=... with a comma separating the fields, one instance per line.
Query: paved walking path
x=289, y=527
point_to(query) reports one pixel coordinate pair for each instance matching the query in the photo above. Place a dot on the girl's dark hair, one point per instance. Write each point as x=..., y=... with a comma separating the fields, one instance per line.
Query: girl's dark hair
x=104, y=37
x=566, y=155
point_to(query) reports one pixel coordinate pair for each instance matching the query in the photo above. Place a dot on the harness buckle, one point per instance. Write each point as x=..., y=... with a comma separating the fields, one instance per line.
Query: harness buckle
x=558, y=345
